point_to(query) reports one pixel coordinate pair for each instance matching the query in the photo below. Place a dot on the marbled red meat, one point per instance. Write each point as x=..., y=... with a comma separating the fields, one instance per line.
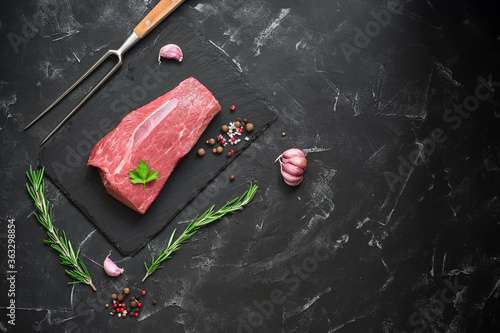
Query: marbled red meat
x=161, y=133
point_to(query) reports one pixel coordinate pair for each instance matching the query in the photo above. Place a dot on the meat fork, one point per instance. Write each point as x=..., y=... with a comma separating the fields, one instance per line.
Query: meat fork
x=148, y=23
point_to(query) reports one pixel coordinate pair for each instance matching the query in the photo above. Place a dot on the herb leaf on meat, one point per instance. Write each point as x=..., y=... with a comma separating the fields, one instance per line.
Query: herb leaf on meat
x=141, y=174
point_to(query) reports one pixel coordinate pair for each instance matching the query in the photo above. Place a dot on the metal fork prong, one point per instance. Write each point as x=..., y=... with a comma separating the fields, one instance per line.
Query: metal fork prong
x=87, y=73
x=98, y=85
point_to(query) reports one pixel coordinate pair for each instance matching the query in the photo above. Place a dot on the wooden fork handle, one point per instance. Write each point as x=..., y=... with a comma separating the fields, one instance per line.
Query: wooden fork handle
x=155, y=16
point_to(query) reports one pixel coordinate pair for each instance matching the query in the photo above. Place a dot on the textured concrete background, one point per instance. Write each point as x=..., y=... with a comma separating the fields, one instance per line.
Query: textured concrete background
x=395, y=227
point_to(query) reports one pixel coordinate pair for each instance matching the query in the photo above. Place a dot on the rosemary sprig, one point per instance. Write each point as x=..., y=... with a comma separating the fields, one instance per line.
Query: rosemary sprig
x=61, y=244
x=207, y=217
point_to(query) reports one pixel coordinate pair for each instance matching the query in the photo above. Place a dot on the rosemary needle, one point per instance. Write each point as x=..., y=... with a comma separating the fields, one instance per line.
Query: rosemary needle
x=206, y=218
x=61, y=244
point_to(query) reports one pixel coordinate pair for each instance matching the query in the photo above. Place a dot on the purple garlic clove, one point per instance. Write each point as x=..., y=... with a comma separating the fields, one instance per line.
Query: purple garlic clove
x=170, y=51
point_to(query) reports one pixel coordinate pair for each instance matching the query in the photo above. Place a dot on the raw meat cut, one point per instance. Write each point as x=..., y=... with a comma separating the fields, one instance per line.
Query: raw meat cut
x=161, y=133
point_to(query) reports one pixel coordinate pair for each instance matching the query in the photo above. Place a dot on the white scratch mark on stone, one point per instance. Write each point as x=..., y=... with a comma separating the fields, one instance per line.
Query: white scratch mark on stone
x=315, y=150
x=454, y=212
x=385, y=265
x=376, y=153
x=432, y=261
x=362, y=223
x=336, y=100
x=389, y=216
x=86, y=238
x=71, y=297
x=266, y=33
x=223, y=51
x=238, y=65
x=4, y=107
x=95, y=262
x=67, y=34
x=495, y=287
x=309, y=303
x=355, y=106
x=335, y=329
x=220, y=48
x=444, y=261
x=259, y=227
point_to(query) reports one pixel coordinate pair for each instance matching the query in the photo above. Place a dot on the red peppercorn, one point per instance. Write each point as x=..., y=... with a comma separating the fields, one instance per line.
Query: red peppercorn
x=240, y=130
x=214, y=150
x=115, y=305
x=139, y=304
x=136, y=314
x=233, y=107
x=222, y=142
x=143, y=292
x=233, y=139
x=219, y=137
x=232, y=151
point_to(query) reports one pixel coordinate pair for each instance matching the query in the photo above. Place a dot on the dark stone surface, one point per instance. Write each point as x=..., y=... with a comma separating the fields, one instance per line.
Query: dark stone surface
x=395, y=227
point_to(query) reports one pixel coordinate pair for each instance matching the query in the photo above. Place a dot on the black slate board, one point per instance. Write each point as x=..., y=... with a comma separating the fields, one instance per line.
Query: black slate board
x=140, y=80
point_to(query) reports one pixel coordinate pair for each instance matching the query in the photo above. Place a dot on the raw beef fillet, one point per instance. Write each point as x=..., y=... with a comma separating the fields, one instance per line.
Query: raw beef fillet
x=159, y=133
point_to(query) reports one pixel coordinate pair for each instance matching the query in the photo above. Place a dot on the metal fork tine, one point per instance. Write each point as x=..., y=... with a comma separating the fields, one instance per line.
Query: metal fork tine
x=97, y=86
x=105, y=56
x=127, y=44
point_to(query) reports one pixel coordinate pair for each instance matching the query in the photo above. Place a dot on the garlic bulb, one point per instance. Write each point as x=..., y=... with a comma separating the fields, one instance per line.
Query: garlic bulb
x=111, y=268
x=170, y=51
x=293, y=164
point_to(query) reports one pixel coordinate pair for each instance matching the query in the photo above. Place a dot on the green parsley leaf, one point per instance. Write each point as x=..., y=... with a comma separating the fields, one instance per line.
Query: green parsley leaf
x=140, y=174
x=152, y=176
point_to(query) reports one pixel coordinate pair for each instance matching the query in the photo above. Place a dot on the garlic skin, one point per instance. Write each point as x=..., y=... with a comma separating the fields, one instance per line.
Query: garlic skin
x=170, y=51
x=293, y=163
x=111, y=268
